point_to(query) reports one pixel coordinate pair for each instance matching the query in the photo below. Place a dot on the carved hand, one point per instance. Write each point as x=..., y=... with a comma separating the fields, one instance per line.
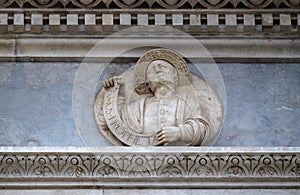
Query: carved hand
x=111, y=82
x=168, y=134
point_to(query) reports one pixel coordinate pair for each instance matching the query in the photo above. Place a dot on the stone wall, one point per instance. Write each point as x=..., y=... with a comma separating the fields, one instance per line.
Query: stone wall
x=46, y=96
x=36, y=104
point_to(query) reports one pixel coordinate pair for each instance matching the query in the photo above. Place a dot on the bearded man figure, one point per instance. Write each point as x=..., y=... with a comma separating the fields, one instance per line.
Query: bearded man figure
x=158, y=102
x=174, y=117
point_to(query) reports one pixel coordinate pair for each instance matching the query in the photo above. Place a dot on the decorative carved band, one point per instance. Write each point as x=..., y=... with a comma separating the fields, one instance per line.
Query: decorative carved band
x=162, y=4
x=109, y=21
x=150, y=164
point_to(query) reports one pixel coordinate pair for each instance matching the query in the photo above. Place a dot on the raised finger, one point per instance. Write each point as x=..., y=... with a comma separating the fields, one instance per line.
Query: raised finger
x=106, y=84
x=161, y=142
x=111, y=82
x=160, y=134
x=161, y=138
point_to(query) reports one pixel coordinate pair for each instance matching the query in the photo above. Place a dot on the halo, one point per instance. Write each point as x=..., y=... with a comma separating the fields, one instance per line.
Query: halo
x=172, y=57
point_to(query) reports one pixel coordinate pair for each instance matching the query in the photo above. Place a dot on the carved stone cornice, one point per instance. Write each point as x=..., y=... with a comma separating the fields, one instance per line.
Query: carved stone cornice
x=74, y=48
x=107, y=21
x=152, y=4
x=149, y=167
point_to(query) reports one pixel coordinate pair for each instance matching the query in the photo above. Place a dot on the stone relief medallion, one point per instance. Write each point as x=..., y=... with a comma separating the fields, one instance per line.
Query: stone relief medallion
x=158, y=102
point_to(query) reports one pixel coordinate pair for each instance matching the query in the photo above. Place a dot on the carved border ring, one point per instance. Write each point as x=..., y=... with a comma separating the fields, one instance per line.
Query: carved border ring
x=158, y=54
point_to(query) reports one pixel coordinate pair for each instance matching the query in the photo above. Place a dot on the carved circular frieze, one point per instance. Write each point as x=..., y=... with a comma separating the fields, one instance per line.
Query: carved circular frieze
x=155, y=100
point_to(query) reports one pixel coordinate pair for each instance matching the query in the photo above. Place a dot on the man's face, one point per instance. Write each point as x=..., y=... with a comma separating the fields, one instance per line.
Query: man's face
x=161, y=71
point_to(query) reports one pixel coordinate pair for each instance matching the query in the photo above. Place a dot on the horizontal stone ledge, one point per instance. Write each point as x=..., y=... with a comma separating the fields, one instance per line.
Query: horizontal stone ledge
x=131, y=48
x=171, y=184
x=212, y=167
x=145, y=150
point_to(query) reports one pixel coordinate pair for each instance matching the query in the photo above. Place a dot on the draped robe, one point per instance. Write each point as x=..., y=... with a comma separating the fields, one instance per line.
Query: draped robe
x=149, y=114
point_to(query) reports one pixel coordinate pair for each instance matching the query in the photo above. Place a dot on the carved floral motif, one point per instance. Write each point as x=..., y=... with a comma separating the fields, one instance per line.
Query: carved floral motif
x=148, y=166
x=10, y=166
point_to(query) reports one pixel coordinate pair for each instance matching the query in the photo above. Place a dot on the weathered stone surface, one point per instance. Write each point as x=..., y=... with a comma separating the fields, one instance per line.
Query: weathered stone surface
x=267, y=22
x=125, y=19
x=212, y=22
x=149, y=168
x=108, y=22
x=195, y=19
x=142, y=19
x=36, y=102
x=177, y=19
x=199, y=191
x=5, y=73
x=285, y=22
x=54, y=23
x=36, y=23
x=151, y=191
x=18, y=22
x=72, y=23
x=107, y=19
x=249, y=22
x=53, y=192
x=230, y=49
x=3, y=22
x=160, y=19
x=230, y=22
x=262, y=104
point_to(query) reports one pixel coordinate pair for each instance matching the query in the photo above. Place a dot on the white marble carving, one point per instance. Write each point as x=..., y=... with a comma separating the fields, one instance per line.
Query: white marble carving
x=158, y=102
